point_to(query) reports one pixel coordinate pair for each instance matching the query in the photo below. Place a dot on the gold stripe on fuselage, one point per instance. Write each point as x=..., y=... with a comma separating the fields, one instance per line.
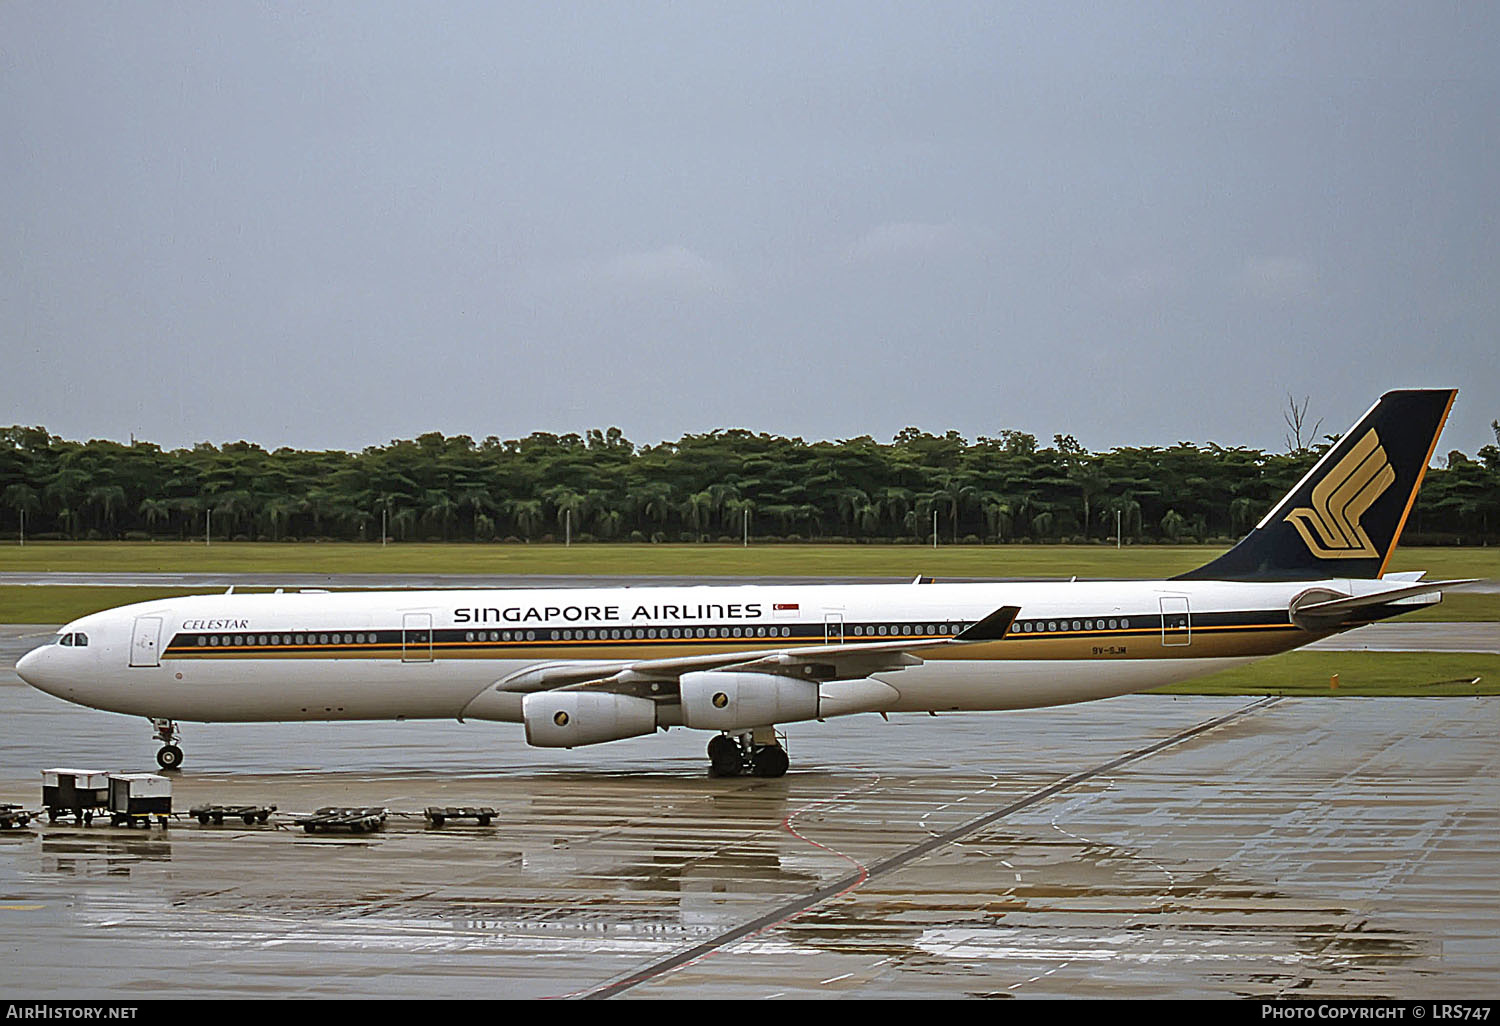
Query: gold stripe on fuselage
x=1146, y=643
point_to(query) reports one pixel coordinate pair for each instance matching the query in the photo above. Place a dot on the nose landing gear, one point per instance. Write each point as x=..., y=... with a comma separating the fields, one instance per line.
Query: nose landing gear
x=170, y=756
x=753, y=753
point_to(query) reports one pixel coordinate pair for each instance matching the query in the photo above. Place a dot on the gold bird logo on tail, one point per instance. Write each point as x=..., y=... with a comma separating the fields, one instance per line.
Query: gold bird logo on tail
x=1330, y=526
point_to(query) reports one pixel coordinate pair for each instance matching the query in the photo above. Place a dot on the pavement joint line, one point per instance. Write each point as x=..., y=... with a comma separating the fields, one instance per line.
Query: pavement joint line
x=902, y=858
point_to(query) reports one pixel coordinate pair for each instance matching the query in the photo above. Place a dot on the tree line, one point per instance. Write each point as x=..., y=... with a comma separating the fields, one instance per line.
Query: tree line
x=704, y=487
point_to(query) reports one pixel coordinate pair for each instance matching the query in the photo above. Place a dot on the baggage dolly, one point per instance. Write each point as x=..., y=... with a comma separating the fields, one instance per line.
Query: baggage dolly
x=437, y=816
x=12, y=816
x=251, y=814
x=357, y=819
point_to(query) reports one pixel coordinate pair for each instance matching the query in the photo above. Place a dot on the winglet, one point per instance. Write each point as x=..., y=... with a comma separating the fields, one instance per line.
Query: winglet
x=992, y=627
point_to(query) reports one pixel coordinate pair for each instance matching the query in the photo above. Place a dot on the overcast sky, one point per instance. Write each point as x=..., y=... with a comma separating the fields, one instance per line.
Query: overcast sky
x=333, y=225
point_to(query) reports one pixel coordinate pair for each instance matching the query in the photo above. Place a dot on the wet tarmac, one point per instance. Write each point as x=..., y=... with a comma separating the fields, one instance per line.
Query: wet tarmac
x=1148, y=846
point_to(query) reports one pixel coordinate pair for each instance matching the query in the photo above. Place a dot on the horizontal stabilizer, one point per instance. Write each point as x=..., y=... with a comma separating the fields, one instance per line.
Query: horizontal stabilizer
x=1336, y=609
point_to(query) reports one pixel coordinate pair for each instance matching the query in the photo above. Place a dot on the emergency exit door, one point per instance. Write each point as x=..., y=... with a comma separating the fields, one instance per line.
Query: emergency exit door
x=1176, y=620
x=416, y=638
x=144, y=639
x=833, y=628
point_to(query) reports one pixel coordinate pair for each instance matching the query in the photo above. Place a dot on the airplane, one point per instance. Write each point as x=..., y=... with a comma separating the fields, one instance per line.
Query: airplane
x=582, y=666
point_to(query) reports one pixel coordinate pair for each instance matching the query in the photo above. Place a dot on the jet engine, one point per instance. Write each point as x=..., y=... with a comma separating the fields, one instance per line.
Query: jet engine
x=725, y=700
x=565, y=719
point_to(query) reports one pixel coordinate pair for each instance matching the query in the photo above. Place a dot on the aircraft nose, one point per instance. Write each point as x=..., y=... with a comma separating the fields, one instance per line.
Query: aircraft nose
x=31, y=668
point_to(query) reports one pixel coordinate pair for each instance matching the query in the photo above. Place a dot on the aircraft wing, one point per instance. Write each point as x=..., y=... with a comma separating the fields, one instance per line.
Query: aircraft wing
x=848, y=661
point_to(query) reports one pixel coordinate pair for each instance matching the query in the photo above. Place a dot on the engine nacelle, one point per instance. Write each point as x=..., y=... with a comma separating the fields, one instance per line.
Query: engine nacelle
x=725, y=700
x=566, y=719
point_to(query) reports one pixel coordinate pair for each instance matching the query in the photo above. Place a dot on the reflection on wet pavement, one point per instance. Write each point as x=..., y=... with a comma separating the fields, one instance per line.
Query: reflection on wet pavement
x=1320, y=847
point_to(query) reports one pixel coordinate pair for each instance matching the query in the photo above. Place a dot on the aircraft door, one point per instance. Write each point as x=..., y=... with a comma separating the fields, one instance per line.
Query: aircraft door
x=416, y=638
x=833, y=628
x=145, y=638
x=1176, y=621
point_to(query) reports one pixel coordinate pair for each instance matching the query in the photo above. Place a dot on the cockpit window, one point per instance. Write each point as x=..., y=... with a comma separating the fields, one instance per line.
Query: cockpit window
x=81, y=640
x=66, y=639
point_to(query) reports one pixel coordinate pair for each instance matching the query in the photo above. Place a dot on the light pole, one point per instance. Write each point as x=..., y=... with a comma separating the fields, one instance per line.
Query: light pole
x=208, y=528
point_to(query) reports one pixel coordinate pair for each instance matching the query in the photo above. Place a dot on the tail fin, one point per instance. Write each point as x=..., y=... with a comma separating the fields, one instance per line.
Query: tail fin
x=1344, y=517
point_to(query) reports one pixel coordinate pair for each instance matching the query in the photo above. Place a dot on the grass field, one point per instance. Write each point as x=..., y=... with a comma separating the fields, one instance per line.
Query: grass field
x=1361, y=674
x=1136, y=561
x=60, y=604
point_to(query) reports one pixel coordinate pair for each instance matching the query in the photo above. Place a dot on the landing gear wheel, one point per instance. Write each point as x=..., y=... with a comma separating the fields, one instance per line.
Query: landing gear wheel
x=170, y=756
x=725, y=759
x=770, y=761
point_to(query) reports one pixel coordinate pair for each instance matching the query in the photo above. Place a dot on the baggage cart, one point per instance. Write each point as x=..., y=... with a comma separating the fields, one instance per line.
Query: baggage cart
x=251, y=814
x=74, y=792
x=356, y=819
x=12, y=816
x=437, y=816
x=138, y=798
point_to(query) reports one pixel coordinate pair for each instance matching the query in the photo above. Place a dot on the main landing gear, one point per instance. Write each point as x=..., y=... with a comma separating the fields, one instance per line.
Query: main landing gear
x=753, y=753
x=170, y=756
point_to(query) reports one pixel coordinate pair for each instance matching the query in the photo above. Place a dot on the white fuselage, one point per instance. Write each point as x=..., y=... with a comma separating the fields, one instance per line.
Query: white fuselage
x=431, y=654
